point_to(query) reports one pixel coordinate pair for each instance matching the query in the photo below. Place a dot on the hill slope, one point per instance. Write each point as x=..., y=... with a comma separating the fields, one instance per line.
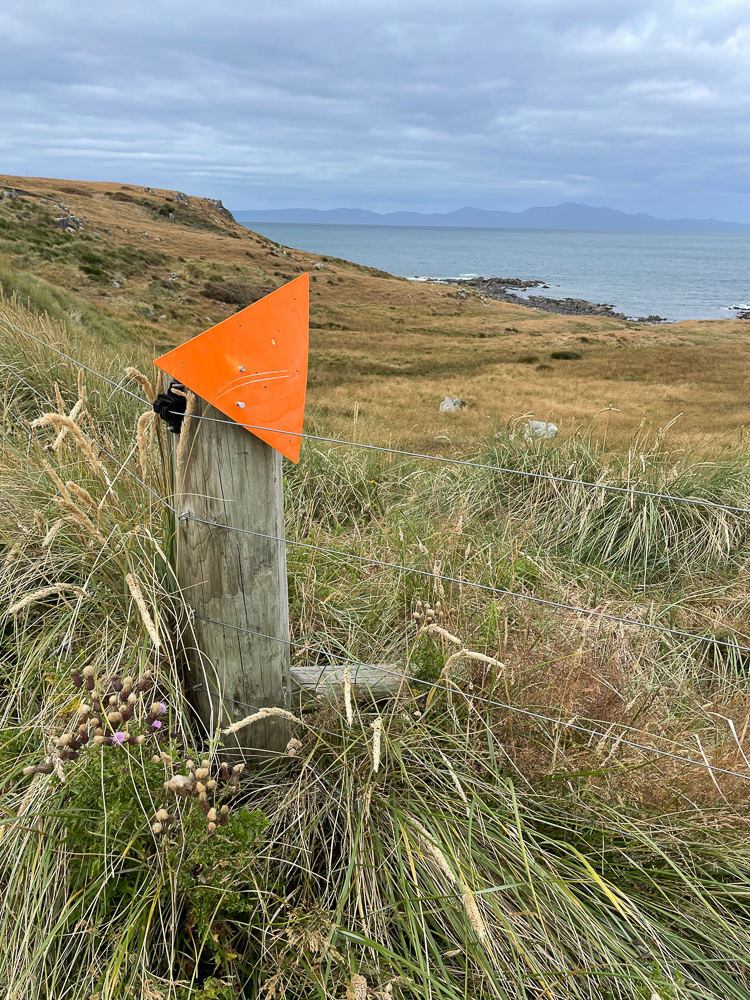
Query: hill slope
x=153, y=267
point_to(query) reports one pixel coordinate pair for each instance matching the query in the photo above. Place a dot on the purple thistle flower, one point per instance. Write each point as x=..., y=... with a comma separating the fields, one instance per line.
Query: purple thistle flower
x=156, y=724
x=120, y=738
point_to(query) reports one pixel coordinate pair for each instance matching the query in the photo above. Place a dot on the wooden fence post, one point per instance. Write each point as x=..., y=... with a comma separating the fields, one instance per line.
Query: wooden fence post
x=233, y=580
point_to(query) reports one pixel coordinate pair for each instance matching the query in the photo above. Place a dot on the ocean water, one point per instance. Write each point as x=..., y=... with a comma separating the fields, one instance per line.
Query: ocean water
x=674, y=275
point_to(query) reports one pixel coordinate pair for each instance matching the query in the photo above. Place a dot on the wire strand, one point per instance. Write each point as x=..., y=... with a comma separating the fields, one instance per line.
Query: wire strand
x=74, y=361
x=493, y=703
x=611, y=487
x=544, y=601
x=461, y=582
x=479, y=465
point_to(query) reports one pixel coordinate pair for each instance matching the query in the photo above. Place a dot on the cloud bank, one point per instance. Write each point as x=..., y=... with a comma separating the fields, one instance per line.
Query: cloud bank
x=395, y=104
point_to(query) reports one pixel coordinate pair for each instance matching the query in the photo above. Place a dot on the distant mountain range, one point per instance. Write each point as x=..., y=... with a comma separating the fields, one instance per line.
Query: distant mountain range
x=566, y=216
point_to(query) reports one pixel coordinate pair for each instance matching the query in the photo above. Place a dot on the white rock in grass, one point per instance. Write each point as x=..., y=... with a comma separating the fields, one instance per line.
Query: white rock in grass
x=539, y=429
x=451, y=405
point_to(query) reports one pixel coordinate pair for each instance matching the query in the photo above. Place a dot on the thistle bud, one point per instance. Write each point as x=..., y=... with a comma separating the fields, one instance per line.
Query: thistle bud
x=224, y=769
x=127, y=713
x=156, y=758
x=38, y=769
x=88, y=671
x=68, y=753
x=233, y=789
x=202, y=772
x=190, y=765
x=210, y=785
x=140, y=740
x=84, y=730
x=237, y=770
x=99, y=739
x=89, y=683
x=132, y=698
x=205, y=763
x=95, y=722
x=76, y=678
x=99, y=731
x=96, y=705
x=64, y=740
x=114, y=718
x=200, y=788
x=84, y=710
x=162, y=815
x=224, y=815
x=127, y=682
x=211, y=815
x=157, y=828
x=144, y=682
x=211, y=829
x=113, y=699
x=117, y=684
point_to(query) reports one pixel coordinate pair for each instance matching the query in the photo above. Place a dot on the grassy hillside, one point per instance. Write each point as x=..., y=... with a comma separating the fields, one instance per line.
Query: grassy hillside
x=395, y=347
x=439, y=846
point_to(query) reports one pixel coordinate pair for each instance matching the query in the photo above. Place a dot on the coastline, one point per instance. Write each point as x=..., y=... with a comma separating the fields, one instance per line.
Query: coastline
x=497, y=288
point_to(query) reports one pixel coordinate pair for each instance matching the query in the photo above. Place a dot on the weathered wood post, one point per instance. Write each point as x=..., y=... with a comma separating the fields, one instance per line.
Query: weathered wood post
x=234, y=581
x=230, y=554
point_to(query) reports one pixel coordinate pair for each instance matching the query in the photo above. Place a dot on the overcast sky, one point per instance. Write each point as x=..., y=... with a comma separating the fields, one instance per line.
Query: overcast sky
x=430, y=105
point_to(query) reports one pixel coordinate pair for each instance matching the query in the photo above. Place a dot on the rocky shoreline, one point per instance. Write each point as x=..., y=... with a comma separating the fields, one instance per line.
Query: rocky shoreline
x=499, y=288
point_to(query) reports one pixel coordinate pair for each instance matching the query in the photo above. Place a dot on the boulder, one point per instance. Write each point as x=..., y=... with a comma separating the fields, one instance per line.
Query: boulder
x=539, y=429
x=451, y=405
x=11, y=193
x=216, y=204
x=180, y=197
x=69, y=223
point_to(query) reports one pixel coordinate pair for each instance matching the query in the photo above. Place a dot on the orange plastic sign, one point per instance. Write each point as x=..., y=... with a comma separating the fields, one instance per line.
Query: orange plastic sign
x=253, y=366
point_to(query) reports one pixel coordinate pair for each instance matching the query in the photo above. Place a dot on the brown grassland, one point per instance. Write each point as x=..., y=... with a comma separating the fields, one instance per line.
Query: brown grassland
x=395, y=347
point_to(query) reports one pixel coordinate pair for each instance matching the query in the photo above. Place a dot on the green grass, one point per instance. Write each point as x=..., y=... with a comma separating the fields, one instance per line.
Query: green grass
x=488, y=855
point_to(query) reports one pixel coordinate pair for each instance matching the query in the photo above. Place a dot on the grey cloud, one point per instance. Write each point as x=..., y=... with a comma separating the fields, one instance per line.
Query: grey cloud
x=388, y=105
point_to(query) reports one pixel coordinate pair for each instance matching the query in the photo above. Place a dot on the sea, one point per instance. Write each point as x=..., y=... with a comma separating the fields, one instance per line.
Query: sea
x=673, y=275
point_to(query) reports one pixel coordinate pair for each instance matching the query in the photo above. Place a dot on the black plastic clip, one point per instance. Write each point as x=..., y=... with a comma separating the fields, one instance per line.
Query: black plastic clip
x=170, y=406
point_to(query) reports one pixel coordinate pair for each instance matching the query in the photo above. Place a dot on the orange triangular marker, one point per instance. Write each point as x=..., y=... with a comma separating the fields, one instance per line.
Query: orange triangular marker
x=253, y=366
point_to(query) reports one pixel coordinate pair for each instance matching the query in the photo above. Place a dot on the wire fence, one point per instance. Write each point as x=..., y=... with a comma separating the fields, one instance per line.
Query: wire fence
x=617, y=738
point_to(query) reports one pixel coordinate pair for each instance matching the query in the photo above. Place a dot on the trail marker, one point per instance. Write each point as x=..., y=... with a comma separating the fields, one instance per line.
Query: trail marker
x=252, y=367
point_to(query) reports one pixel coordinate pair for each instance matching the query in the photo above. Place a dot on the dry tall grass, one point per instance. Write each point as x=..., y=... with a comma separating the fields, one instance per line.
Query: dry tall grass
x=434, y=847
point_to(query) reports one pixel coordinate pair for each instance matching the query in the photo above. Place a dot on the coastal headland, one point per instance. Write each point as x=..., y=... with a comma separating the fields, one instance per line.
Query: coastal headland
x=147, y=269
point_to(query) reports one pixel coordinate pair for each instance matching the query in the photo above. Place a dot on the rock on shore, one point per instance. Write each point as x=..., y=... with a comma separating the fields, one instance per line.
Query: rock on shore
x=497, y=288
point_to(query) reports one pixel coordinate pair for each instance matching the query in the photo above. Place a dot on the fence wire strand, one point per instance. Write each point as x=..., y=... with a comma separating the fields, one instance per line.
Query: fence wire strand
x=491, y=702
x=610, y=487
x=619, y=739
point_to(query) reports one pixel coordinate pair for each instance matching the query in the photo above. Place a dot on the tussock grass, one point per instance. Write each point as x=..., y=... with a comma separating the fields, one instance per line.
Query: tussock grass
x=434, y=847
